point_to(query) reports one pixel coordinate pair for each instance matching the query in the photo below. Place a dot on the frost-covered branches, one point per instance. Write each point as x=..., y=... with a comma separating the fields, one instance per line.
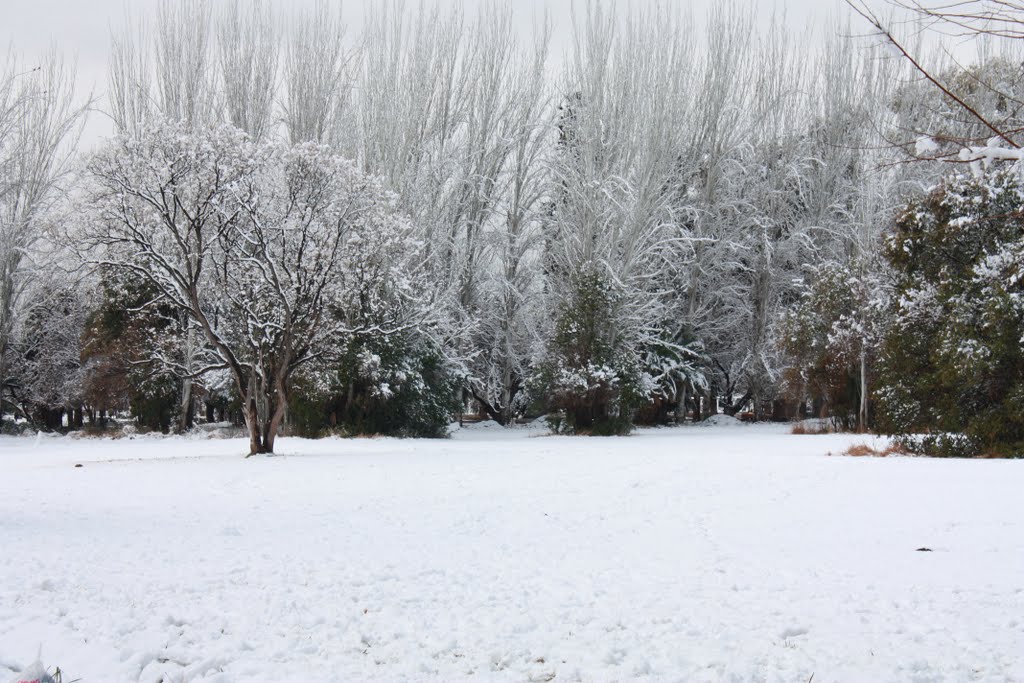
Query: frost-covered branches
x=455, y=114
x=273, y=252
x=317, y=75
x=629, y=233
x=248, y=51
x=985, y=103
x=39, y=122
x=197, y=62
x=612, y=241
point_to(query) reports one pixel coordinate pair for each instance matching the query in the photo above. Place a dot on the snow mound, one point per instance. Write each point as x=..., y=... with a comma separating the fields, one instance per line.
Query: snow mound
x=482, y=425
x=723, y=421
x=540, y=424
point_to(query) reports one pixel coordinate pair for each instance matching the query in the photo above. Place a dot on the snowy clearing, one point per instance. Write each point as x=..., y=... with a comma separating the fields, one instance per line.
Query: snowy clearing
x=690, y=554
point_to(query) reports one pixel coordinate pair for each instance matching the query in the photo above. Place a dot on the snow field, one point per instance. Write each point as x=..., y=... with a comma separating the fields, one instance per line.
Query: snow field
x=690, y=554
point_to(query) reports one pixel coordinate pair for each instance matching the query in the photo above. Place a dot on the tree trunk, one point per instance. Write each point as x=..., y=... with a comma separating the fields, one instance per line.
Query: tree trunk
x=265, y=411
x=862, y=417
x=495, y=413
x=185, y=415
x=818, y=407
x=583, y=417
x=252, y=423
x=185, y=418
x=274, y=425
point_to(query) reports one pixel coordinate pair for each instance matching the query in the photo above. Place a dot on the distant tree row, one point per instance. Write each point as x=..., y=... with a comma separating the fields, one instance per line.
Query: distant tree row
x=297, y=227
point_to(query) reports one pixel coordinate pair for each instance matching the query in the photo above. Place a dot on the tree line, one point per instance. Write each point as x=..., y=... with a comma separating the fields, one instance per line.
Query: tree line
x=297, y=225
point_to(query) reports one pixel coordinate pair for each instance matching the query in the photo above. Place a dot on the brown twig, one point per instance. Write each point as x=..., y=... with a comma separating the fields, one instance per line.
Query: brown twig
x=860, y=8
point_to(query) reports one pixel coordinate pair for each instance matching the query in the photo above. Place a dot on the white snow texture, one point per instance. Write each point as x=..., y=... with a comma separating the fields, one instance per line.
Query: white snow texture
x=689, y=554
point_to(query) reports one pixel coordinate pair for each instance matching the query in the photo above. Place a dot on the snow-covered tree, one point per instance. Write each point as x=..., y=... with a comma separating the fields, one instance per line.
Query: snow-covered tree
x=184, y=61
x=124, y=339
x=851, y=195
x=501, y=285
x=197, y=66
x=48, y=373
x=612, y=241
x=272, y=251
x=705, y=197
x=832, y=339
x=39, y=123
x=463, y=139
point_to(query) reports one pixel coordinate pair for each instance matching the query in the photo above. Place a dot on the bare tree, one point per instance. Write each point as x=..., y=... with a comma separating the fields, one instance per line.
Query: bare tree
x=414, y=99
x=708, y=203
x=184, y=61
x=502, y=284
x=129, y=78
x=317, y=74
x=248, y=49
x=39, y=125
x=455, y=115
x=854, y=187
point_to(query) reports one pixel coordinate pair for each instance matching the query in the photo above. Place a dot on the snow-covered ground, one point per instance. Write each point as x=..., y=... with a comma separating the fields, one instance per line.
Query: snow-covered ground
x=695, y=554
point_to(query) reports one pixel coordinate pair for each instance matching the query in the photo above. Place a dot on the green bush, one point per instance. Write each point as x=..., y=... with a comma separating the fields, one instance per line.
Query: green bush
x=952, y=365
x=386, y=385
x=590, y=375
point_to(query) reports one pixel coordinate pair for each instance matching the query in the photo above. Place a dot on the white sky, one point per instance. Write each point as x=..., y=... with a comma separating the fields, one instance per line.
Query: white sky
x=81, y=28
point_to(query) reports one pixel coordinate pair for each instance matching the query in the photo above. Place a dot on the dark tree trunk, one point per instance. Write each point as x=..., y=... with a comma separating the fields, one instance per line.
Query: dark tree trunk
x=582, y=418
x=735, y=408
x=495, y=414
x=818, y=407
x=186, y=408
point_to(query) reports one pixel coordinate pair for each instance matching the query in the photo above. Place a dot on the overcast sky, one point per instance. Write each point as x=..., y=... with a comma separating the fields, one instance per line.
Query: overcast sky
x=81, y=28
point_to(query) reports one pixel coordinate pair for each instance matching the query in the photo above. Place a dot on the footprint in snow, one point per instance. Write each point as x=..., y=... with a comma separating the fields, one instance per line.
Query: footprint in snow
x=793, y=632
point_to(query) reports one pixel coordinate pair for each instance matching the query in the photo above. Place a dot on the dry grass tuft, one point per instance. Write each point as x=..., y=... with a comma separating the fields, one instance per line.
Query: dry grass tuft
x=862, y=450
x=812, y=427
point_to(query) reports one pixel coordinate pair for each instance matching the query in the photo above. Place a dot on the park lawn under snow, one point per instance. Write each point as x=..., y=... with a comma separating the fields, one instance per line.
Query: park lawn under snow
x=692, y=554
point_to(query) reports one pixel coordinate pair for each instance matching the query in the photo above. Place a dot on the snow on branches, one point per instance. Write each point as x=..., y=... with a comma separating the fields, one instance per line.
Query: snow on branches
x=274, y=252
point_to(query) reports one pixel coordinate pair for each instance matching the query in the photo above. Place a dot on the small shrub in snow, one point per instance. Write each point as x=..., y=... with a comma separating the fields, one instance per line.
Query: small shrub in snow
x=10, y=427
x=591, y=374
x=941, y=445
x=394, y=385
